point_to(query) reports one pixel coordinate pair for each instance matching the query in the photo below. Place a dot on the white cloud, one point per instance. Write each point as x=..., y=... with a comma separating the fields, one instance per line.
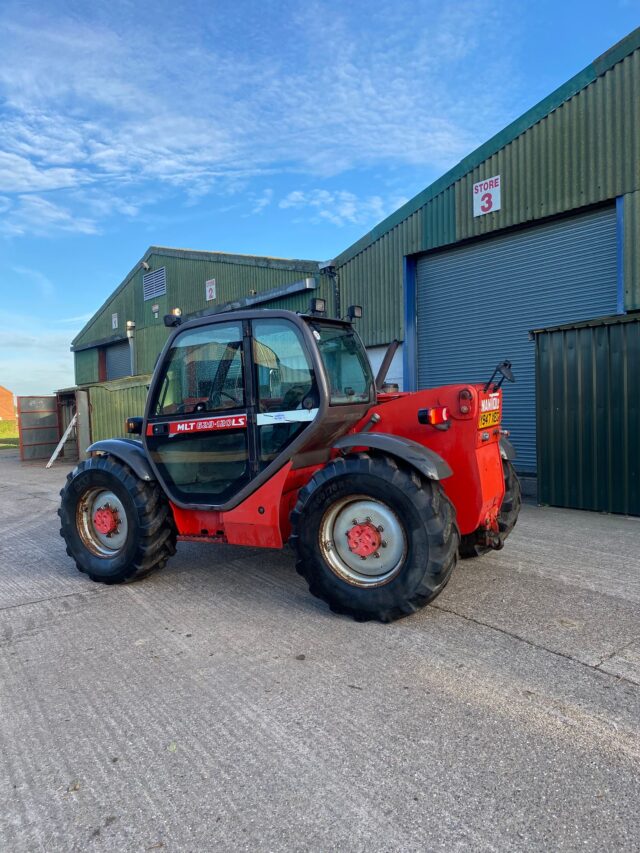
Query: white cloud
x=263, y=201
x=18, y=174
x=339, y=207
x=101, y=109
x=36, y=215
x=78, y=321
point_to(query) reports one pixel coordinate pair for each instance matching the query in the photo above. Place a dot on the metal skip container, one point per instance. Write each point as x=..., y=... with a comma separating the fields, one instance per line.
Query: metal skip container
x=588, y=414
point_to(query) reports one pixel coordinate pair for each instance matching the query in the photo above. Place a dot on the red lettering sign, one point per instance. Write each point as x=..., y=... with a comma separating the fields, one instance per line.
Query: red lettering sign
x=486, y=195
x=208, y=424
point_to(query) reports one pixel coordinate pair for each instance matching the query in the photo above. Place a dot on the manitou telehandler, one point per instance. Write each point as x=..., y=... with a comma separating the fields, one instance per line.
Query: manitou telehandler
x=264, y=427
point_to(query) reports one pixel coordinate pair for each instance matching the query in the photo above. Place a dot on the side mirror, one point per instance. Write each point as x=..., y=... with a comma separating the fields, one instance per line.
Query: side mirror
x=133, y=426
x=505, y=370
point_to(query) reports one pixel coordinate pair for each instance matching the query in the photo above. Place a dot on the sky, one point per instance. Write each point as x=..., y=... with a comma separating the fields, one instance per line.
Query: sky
x=271, y=128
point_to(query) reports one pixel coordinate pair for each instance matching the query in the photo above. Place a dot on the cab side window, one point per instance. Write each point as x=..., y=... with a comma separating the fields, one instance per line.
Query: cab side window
x=204, y=372
x=287, y=394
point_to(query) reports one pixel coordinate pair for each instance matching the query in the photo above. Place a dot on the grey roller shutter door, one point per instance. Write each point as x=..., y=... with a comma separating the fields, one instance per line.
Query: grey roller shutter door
x=477, y=303
x=118, y=360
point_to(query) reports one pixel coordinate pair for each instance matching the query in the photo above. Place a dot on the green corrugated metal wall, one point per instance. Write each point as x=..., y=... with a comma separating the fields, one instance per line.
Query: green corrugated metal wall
x=374, y=280
x=151, y=339
x=575, y=153
x=584, y=152
x=588, y=415
x=86, y=366
x=122, y=304
x=186, y=275
x=111, y=403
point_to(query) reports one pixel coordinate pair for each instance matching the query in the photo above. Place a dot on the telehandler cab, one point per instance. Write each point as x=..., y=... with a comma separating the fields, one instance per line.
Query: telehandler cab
x=264, y=427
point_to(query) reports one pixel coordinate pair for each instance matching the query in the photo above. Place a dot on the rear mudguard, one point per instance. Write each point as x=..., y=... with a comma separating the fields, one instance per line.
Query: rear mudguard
x=127, y=450
x=507, y=450
x=428, y=463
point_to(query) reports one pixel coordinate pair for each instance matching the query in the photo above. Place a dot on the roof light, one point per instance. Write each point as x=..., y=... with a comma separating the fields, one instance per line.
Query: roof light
x=174, y=318
x=354, y=312
x=318, y=307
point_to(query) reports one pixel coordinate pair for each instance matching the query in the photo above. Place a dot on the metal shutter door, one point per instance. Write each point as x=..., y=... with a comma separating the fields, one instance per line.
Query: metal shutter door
x=118, y=360
x=477, y=303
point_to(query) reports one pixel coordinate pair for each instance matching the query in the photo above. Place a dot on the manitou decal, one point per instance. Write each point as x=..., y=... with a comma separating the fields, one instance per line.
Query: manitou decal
x=490, y=404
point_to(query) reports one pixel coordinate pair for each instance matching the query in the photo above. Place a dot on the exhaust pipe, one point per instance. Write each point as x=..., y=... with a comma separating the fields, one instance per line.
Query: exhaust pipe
x=386, y=363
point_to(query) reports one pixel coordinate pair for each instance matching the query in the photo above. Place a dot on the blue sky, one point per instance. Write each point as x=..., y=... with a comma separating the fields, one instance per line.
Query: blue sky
x=278, y=128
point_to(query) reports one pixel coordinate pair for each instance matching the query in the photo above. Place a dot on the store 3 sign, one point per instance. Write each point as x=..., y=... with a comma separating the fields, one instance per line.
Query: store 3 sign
x=486, y=196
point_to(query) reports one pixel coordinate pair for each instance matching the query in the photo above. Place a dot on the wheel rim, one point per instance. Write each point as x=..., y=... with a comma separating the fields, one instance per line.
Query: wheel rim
x=363, y=541
x=101, y=520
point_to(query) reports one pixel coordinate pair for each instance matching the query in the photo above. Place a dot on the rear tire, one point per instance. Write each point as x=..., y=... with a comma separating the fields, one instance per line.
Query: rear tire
x=143, y=534
x=508, y=516
x=355, y=502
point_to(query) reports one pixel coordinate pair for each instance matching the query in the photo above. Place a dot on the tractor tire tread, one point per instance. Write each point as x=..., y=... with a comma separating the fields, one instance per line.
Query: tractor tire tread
x=156, y=531
x=436, y=515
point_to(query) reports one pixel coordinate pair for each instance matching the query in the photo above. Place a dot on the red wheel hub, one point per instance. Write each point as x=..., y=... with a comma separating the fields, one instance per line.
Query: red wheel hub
x=364, y=539
x=106, y=520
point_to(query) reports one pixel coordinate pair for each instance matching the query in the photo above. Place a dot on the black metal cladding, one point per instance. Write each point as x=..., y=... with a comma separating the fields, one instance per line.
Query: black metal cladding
x=588, y=415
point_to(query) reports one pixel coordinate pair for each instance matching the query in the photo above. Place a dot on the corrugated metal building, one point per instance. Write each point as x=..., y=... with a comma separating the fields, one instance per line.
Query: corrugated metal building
x=117, y=349
x=195, y=282
x=536, y=228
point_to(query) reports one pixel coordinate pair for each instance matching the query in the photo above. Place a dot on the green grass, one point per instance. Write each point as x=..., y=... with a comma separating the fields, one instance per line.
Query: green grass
x=9, y=435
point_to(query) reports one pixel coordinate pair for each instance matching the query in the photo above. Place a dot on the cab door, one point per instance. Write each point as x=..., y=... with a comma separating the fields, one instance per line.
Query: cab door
x=230, y=399
x=198, y=422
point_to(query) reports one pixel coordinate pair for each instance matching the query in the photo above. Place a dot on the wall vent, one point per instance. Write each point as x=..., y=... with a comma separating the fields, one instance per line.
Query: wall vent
x=154, y=283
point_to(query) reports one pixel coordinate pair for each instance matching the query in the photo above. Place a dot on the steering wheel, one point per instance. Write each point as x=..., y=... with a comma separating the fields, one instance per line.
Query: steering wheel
x=215, y=399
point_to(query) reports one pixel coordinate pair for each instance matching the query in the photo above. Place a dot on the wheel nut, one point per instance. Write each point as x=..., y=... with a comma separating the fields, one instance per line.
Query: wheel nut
x=376, y=555
x=380, y=528
x=383, y=544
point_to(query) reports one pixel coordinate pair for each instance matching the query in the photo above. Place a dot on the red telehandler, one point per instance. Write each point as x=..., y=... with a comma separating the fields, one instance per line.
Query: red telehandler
x=265, y=427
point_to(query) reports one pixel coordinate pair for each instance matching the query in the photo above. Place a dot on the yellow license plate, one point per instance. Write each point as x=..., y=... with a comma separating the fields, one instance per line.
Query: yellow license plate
x=489, y=419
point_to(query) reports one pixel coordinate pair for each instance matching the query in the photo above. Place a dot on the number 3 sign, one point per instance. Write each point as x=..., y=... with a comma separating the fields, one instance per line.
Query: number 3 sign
x=486, y=196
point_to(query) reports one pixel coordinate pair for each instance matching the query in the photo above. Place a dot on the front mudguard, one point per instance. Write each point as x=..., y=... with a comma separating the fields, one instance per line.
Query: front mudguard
x=428, y=463
x=127, y=450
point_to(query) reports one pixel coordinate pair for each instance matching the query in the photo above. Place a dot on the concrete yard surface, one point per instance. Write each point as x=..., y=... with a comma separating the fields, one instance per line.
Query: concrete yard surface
x=217, y=705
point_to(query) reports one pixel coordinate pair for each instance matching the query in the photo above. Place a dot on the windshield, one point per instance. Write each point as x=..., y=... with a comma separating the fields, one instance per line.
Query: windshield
x=346, y=363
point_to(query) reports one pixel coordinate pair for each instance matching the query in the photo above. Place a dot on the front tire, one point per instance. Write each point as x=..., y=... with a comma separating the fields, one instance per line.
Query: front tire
x=117, y=527
x=373, y=539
